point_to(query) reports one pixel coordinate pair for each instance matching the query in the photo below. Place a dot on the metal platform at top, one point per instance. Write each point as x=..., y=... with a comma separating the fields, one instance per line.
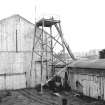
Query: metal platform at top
x=47, y=22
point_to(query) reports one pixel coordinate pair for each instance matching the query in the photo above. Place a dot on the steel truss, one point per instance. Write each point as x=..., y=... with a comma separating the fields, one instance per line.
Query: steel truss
x=48, y=42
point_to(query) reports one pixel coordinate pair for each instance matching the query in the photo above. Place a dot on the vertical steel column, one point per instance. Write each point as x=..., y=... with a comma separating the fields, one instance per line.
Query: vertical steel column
x=46, y=58
x=42, y=57
x=51, y=52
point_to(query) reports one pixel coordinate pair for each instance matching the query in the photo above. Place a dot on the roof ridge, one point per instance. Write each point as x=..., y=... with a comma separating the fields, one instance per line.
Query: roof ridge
x=16, y=15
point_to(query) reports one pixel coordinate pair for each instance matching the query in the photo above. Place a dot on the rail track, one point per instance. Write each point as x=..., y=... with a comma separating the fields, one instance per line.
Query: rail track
x=43, y=99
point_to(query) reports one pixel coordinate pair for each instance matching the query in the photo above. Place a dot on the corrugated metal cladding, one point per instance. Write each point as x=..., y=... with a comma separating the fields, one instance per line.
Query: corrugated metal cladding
x=88, y=81
x=16, y=41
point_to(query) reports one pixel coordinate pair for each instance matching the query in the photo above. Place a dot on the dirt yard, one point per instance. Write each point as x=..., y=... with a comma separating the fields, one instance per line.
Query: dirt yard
x=16, y=98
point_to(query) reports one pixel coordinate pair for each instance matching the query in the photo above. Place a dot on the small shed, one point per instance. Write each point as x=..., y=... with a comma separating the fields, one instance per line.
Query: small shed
x=88, y=77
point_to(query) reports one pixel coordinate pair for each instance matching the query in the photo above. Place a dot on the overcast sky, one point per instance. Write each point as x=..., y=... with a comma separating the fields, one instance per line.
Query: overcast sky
x=83, y=21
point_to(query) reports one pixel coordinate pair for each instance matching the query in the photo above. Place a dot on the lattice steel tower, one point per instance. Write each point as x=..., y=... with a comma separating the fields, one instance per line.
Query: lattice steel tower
x=52, y=44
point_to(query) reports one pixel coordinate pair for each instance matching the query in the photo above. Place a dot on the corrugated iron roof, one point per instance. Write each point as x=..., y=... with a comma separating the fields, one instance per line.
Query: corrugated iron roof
x=96, y=64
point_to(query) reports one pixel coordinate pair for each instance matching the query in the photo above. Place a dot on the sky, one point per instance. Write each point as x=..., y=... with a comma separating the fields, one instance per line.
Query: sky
x=83, y=21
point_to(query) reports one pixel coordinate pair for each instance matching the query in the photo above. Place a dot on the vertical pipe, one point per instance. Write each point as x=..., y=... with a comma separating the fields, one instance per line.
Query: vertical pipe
x=33, y=46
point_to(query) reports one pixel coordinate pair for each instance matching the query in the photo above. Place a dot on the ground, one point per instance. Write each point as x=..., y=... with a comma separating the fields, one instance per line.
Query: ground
x=17, y=98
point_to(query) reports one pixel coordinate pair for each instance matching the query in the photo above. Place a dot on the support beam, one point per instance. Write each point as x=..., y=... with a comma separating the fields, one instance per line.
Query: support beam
x=64, y=42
